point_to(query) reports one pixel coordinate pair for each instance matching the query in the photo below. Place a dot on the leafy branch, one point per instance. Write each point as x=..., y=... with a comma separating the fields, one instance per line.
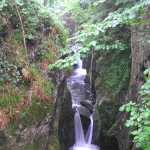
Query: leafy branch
x=92, y=32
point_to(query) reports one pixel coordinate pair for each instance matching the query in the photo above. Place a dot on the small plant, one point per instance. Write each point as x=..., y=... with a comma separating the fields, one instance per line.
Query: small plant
x=8, y=73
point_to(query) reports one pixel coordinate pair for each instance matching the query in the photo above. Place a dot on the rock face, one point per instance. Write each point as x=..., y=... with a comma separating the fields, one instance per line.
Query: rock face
x=111, y=80
x=66, y=123
x=3, y=140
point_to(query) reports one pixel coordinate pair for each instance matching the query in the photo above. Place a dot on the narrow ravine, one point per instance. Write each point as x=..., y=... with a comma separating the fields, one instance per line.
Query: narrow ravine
x=79, y=96
x=74, y=75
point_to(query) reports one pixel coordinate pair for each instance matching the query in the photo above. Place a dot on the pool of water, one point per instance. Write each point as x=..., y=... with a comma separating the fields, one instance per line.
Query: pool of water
x=85, y=147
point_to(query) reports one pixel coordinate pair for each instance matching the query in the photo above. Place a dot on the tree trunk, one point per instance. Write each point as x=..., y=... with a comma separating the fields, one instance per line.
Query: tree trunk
x=140, y=52
x=140, y=49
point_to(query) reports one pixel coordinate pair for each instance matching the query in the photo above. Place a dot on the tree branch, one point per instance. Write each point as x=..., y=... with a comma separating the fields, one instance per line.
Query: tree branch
x=23, y=31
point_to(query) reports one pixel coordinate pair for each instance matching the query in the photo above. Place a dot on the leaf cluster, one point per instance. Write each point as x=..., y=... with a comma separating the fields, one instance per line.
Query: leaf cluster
x=99, y=35
x=9, y=73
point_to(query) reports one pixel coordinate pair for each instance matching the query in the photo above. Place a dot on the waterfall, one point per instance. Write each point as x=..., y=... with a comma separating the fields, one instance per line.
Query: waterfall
x=89, y=133
x=80, y=64
x=82, y=142
x=79, y=133
x=77, y=88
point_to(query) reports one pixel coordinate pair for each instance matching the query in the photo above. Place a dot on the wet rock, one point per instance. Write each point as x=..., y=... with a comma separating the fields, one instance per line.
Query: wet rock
x=3, y=138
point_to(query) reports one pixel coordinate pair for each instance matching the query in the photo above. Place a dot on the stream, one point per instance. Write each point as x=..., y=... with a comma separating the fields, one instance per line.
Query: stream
x=78, y=89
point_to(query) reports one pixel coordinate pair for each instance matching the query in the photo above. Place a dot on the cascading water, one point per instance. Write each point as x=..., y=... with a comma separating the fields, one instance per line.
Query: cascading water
x=90, y=131
x=78, y=90
x=79, y=133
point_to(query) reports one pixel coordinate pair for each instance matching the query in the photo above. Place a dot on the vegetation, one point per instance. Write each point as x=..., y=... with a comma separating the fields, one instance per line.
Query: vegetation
x=139, y=119
x=30, y=39
x=100, y=35
x=36, y=40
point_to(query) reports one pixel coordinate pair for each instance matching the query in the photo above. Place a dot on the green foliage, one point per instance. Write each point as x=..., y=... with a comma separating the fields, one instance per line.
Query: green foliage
x=139, y=119
x=116, y=74
x=44, y=34
x=34, y=16
x=64, y=63
x=76, y=9
x=98, y=46
x=98, y=35
x=115, y=18
x=92, y=32
x=37, y=21
x=2, y=4
x=9, y=100
x=8, y=73
x=113, y=72
x=36, y=112
x=41, y=82
x=33, y=146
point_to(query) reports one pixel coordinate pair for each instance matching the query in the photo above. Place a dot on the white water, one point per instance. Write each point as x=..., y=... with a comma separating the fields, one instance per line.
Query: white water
x=79, y=133
x=80, y=71
x=89, y=133
x=82, y=142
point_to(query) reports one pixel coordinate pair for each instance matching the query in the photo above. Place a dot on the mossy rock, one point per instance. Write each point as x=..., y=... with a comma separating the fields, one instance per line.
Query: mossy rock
x=113, y=74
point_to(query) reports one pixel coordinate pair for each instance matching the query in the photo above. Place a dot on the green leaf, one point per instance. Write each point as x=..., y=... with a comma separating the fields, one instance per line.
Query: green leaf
x=19, y=2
